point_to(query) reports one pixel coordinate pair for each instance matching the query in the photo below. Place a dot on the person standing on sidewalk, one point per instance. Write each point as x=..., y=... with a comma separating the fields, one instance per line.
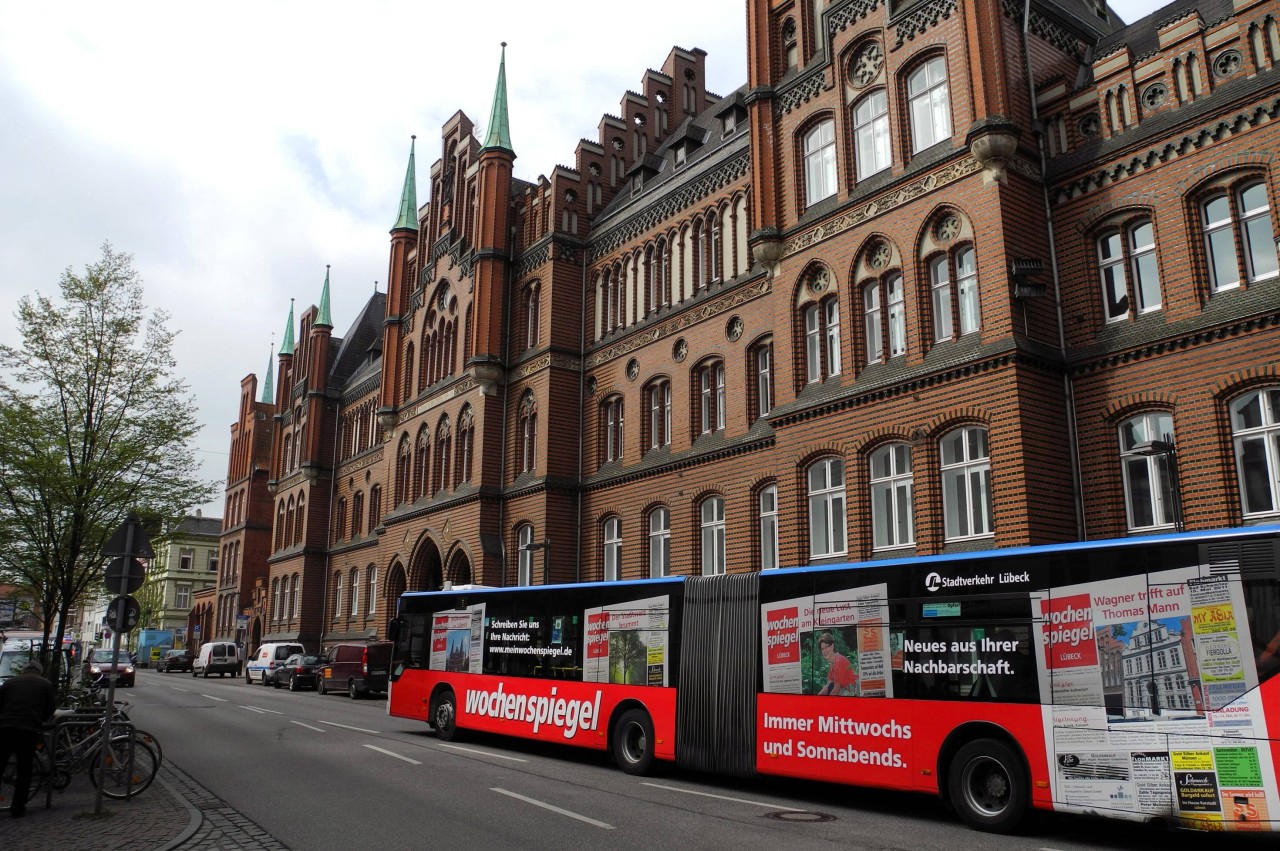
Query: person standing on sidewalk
x=26, y=702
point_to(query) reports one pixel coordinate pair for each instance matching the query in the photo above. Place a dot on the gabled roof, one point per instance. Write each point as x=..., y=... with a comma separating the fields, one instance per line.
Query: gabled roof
x=352, y=350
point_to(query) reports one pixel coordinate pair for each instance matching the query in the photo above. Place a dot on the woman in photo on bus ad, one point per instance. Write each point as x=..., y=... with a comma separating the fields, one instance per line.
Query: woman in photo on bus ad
x=842, y=679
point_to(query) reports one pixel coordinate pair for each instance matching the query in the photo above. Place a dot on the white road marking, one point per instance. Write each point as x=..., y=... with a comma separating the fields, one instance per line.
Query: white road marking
x=211, y=697
x=725, y=798
x=258, y=709
x=308, y=726
x=482, y=753
x=346, y=727
x=175, y=688
x=553, y=809
x=392, y=753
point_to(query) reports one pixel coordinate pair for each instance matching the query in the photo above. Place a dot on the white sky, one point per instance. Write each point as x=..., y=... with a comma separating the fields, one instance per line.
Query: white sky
x=236, y=148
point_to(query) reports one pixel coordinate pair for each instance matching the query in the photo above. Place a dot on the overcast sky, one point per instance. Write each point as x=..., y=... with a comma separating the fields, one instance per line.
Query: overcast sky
x=236, y=148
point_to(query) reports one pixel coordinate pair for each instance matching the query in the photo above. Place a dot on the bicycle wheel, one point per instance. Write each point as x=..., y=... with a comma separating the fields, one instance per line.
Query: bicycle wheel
x=115, y=777
x=145, y=738
x=9, y=780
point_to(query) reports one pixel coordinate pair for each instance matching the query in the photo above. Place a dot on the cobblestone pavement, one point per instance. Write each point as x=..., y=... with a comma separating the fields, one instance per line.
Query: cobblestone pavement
x=175, y=814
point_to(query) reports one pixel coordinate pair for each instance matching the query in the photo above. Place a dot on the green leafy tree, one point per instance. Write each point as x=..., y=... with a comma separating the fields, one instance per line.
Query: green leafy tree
x=93, y=425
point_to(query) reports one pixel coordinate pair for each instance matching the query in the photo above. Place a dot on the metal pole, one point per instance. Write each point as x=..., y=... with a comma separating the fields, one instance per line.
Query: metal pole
x=108, y=714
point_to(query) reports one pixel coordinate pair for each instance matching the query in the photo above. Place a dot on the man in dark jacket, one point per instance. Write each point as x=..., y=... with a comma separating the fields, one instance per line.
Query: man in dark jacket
x=26, y=702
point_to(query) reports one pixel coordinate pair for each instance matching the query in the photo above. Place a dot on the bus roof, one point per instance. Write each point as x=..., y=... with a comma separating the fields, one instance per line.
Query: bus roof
x=1208, y=535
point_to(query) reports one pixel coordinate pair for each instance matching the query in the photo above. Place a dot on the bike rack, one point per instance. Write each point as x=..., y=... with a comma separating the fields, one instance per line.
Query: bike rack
x=81, y=719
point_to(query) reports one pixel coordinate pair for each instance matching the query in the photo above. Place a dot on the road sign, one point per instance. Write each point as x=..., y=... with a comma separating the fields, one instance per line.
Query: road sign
x=130, y=539
x=132, y=612
x=125, y=575
x=196, y=629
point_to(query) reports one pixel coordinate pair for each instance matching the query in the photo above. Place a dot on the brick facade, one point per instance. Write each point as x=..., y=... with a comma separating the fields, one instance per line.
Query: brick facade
x=907, y=231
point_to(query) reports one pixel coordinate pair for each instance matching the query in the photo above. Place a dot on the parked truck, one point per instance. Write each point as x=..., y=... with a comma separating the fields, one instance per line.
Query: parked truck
x=152, y=643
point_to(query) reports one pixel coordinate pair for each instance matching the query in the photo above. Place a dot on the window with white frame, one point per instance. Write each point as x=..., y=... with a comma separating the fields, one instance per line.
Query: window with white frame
x=871, y=322
x=355, y=592
x=960, y=268
x=372, y=605
x=612, y=549
x=711, y=514
x=186, y=559
x=826, y=508
x=1127, y=263
x=711, y=398
x=930, y=104
x=659, y=397
x=337, y=595
x=967, y=282
x=1238, y=236
x=820, y=162
x=762, y=357
x=1255, y=432
x=871, y=134
x=1148, y=484
x=897, y=316
x=182, y=595
x=295, y=597
x=769, y=527
x=659, y=542
x=524, y=558
x=822, y=340
x=966, y=483
x=892, y=498
x=613, y=429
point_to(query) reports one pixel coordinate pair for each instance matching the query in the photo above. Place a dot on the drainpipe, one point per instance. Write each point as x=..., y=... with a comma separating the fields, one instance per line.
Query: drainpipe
x=582, y=401
x=1068, y=390
x=328, y=532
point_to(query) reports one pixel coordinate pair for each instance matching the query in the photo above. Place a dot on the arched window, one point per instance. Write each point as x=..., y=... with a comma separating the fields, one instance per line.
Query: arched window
x=1149, y=494
x=712, y=528
x=422, y=455
x=528, y=434
x=762, y=373
x=295, y=605
x=404, y=461
x=930, y=104
x=711, y=397
x=531, y=319
x=659, y=542
x=408, y=372
x=1127, y=263
x=444, y=455
x=466, y=441
x=966, y=483
x=961, y=268
x=884, y=317
x=1238, y=236
x=300, y=520
x=820, y=162
x=714, y=247
x=611, y=534
x=769, y=527
x=871, y=134
x=337, y=595
x=612, y=420
x=355, y=591
x=1255, y=431
x=658, y=399
x=524, y=557
x=892, y=497
x=375, y=506
x=372, y=605
x=289, y=516
x=357, y=514
x=822, y=340
x=340, y=520
x=826, y=508
x=274, y=614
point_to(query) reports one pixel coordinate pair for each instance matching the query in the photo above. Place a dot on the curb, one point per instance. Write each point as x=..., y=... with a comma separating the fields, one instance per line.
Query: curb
x=194, y=818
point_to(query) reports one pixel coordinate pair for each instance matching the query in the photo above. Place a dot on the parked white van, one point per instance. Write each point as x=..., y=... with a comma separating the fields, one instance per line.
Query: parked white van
x=270, y=656
x=217, y=657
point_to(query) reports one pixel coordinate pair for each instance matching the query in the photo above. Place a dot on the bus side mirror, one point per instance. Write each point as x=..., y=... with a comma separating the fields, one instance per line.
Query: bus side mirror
x=395, y=628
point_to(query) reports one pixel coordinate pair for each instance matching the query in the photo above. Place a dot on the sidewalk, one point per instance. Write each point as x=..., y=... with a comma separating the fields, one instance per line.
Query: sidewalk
x=175, y=814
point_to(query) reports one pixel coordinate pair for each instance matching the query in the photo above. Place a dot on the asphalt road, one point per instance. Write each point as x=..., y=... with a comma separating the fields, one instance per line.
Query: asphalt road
x=321, y=772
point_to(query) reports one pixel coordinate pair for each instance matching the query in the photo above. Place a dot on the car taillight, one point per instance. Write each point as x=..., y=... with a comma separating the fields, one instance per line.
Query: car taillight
x=300, y=669
x=364, y=661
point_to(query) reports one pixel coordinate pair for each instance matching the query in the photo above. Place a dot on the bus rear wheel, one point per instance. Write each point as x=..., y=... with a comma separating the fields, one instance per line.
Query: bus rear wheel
x=444, y=716
x=988, y=786
x=632, y=742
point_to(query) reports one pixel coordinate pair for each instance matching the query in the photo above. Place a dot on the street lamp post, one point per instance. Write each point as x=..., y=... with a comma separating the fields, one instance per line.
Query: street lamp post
x=545, y=546
x=1165, y=449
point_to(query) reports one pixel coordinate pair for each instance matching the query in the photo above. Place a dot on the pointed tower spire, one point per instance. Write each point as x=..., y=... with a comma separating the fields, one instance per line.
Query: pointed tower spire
x=268, y=388
x=286, y=347
x=322, y=315
x=408, y=217
x=499, y=127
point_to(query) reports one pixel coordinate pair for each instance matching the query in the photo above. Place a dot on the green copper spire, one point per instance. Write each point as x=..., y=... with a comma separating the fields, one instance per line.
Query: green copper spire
x=499, y=127
x=322, y=316
x=408, y=217
x=268, y=393
x=286, y=348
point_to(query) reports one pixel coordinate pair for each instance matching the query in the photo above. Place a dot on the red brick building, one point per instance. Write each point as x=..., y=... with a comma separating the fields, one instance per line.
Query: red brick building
x=940, y=275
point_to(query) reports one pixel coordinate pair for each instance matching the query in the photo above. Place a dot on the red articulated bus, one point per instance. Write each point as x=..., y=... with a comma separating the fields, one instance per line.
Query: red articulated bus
x=1130, y=678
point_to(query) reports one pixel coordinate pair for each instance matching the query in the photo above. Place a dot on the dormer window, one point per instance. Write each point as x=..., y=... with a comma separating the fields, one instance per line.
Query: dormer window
x=682, y=154
x=730, y=122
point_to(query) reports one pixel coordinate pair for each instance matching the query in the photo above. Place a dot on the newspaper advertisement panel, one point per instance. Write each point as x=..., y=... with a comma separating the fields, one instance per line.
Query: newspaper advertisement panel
x=457, y=640
x=626, y=643
x=1154, y=709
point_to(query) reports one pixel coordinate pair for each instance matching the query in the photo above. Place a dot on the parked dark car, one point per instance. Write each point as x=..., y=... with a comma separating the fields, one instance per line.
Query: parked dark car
x=101, y=665
x=356, y=669
x=297, y=672
x=175, y=660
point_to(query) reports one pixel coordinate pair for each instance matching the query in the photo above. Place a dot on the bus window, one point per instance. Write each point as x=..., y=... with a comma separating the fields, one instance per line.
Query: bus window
x=968, y=662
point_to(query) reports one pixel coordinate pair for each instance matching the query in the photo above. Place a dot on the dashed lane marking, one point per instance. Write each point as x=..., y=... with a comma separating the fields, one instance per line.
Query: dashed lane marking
x=348, y=727
x=211, y=697
x=482, y=753
x=392, y=753
x=308, y=726
x=551, y=807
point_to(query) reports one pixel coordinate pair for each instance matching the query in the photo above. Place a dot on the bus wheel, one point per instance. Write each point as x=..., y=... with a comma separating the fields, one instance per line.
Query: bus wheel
x=444, y=715
x=633, y=742
x=987, y=786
